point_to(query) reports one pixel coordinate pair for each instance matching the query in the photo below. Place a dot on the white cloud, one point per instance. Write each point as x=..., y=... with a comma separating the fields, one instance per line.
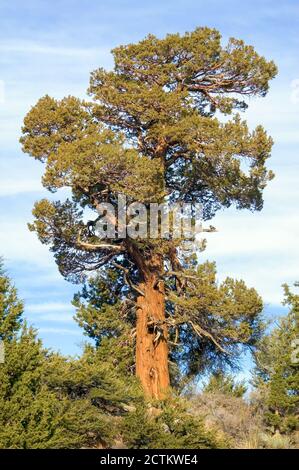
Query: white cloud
x=60, y=331
x=14, y=187
x=20, y=245
x=261, y=249
x=253, y=234
x=48, y=307
x=57, y=318
x=28, y=47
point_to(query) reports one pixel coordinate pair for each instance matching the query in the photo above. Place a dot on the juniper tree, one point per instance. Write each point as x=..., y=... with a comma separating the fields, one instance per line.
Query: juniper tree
x=151, y=131
x=11, y=307
x=172, y=426
x=225, y=384
x=49, y=401
x=276, y=374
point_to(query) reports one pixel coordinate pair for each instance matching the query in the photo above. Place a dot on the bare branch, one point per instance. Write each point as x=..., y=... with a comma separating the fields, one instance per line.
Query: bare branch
x=98, y=246
x=201, y=332
x=179, y=274
x=127, y=279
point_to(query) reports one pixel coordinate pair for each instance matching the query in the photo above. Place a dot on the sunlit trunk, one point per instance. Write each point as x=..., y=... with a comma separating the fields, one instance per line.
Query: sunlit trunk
x=151, y=340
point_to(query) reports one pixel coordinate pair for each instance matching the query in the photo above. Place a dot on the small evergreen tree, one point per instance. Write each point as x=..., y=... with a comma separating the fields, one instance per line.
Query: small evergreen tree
x=169, y=426
x=11, y=308
x=48, y=401
x=276, y=374
x=225, y=384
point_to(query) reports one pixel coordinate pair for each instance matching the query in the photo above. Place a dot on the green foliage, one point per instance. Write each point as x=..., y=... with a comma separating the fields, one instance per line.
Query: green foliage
x=93, y=377
x=225, y=384
x=169, y=426
x=30, y=415
x=54, y=402
x=214, y=322
x=208, y=326
x=11, y=308
x=276, y=375
x=165, y=92
x=107, y=320
x=48, y=401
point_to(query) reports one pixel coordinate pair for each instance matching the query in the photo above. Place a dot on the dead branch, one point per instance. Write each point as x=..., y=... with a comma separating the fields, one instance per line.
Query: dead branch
x=98, y=246
x=201, y=332
x=127, y=278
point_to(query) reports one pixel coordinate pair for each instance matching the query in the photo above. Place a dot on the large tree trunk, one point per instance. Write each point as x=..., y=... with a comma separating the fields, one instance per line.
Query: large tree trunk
x=151, y=339
x=151, y=330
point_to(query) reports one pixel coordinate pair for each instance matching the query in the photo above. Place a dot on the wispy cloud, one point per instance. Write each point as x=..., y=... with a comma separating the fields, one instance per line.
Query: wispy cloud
x=57, y=318
x=13, y=187
x=25, y=47
x=255, y=235
x=48, y=307
x=60, y=331
x=20, y=245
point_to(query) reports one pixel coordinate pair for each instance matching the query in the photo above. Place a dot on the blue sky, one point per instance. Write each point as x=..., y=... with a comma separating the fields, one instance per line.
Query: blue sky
x=51, y=47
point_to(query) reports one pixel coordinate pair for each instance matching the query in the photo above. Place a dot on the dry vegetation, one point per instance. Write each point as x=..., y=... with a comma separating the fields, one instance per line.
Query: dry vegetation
x=240, y=421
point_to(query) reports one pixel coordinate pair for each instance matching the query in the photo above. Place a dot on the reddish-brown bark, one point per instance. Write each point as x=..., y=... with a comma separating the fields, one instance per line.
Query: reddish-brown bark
x=151, y=340
x=151, y=331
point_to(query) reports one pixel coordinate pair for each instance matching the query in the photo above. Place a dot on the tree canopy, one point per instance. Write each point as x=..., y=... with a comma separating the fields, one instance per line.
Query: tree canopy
x=151, y=132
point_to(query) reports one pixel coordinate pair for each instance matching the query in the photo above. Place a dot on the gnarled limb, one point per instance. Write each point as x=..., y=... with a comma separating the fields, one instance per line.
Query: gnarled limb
x=201, y=332
x=98, y=246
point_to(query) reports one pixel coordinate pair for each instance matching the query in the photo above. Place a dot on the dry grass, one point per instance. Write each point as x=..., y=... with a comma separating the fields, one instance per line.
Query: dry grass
x=240, y=421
